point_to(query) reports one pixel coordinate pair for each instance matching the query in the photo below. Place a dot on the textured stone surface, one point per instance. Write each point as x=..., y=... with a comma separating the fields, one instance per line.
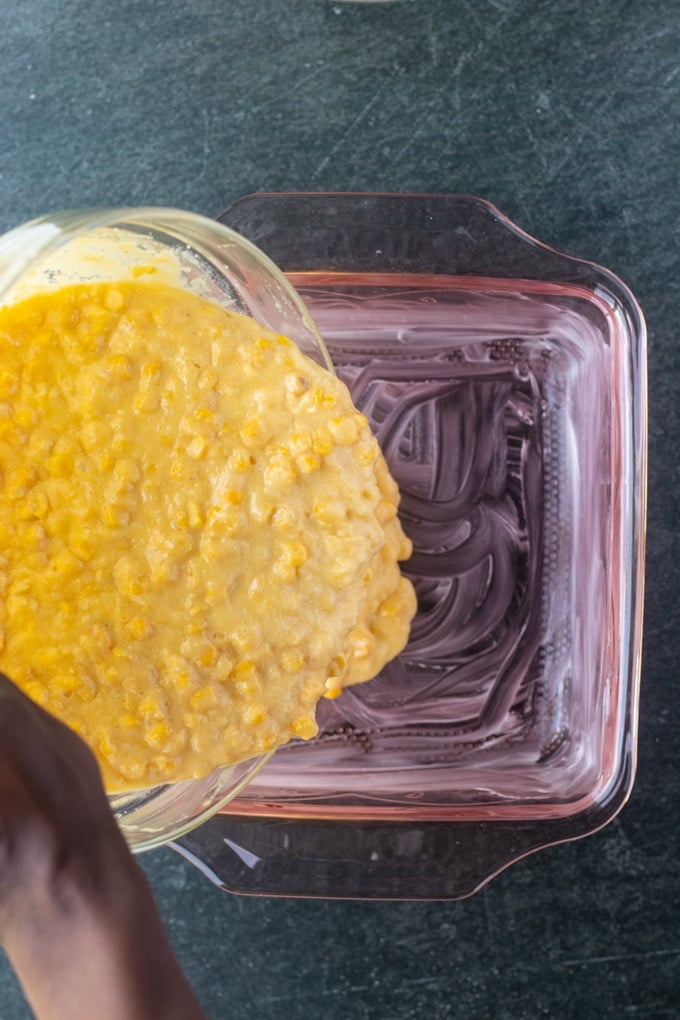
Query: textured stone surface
x=566, y=116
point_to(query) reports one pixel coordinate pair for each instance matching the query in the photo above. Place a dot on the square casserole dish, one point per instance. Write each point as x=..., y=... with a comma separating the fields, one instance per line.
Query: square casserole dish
x=506, y=385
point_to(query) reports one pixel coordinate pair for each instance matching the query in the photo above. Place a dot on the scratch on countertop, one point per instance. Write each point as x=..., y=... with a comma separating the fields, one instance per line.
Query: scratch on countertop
x=205, y=146
x=660, y=1009
x=274, y=85
x=474, y=16
x=433, y=41
x=455, y=77
x=664, y=628
x=316, y=993
x=346, y=134
x=329, y=991
x=413, y=137
x=618, y=957
x=660, y=33
x=538, y=149
x=572, y=145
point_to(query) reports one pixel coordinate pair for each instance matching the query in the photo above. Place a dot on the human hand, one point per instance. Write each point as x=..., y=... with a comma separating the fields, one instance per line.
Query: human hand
x=77, y=917
x=56, y=827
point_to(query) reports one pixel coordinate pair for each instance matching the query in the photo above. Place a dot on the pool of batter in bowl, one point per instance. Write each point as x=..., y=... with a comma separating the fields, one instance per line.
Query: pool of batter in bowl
x=198, y=532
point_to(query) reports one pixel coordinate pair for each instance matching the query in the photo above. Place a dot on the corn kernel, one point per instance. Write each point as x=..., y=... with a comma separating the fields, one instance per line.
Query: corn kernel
x=244, y=670
x=326, y=511
x=195, y=517
x=163, y=570
x=337, y=666
x=139, y=628
x=283, y=518
x=34, y=507
x=35, y=371
x=196, y=448
x=182, y=679
x=93, y=436
x=202, y=651
x=208, y=379
x=260, y=510
x=292, y=661
x=239, y=461
x=253, y=433
x=254, y=715
x=102, y=636
x=362, y=642
x=150, y=706
x=118, y=368
x=284, y=571
x=392, y=605
x=127, y=577
x=204, y=698
x=305, y=727
x=322, y=442
x=140, y=270
x=127, y=470
x=26, y=419
x=344, y=430
x=82, y=546
x=106, y=461
x=223, y=667
x=229, y=521
x=60, y=464
x=295, y=384
x=11, y=434
x=175, y=744
x=306, y=463
x=366, y=454
x=64, y=565
x=9, y=382
x=87, y=690
x=105, y=745
x=151, y=369
x=204, y=414
x=121, y=444
x=157, y=734
x=385, y=511
x=20, y=480
x=114, y=300
x=37, y=692
x=249, y=689
x=280, y=472
x=147, y=401
x=266, y=741
x=300, y=442
x=114, y=516
x=294, y=553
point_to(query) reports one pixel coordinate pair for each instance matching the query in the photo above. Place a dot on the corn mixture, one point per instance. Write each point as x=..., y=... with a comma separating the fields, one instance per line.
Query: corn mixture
x=198, y=533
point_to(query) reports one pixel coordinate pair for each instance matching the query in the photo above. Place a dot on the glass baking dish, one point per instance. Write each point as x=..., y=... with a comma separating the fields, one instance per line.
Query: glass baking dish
x=506, y=385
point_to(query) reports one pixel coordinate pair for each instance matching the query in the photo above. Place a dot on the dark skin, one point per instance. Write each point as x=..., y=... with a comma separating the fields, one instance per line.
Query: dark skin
x=77, y=917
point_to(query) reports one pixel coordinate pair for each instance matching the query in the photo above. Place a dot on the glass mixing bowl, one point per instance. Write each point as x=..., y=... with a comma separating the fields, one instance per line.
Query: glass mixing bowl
x=205, y=257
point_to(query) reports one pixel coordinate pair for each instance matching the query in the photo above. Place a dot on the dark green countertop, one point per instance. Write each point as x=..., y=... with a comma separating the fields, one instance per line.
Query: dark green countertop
x=564, y=114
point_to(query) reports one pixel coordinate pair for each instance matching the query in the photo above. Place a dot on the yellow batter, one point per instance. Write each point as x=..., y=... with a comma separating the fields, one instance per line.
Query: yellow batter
x=198, y=533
